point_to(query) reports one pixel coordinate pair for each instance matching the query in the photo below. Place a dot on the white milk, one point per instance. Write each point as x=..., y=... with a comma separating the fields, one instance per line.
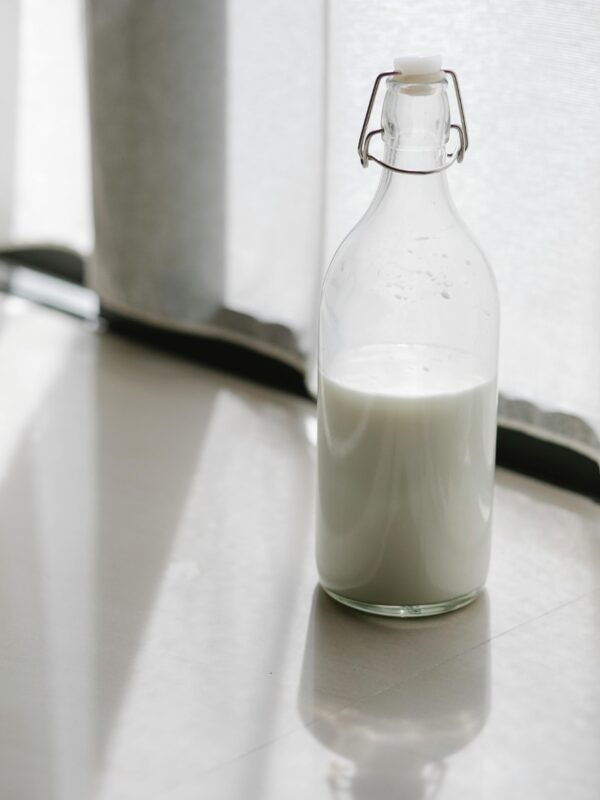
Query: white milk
x=406, y=465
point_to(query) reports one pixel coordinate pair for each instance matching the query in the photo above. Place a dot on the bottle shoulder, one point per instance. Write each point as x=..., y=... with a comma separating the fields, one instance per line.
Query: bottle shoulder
x=448, y=253
x=412, y=285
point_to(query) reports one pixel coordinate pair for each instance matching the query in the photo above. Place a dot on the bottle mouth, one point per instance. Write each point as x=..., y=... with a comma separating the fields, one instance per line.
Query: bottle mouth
x=431, y=77
x=417, y=84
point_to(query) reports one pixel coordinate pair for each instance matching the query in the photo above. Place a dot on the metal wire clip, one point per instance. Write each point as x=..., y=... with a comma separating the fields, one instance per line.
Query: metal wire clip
x=365, y=138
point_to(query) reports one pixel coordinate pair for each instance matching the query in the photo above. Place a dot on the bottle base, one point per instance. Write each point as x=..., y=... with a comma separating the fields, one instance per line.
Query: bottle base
x=404, y=611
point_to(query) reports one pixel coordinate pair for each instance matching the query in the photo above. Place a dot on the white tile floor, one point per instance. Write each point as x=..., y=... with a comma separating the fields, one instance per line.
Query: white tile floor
x=162, y=636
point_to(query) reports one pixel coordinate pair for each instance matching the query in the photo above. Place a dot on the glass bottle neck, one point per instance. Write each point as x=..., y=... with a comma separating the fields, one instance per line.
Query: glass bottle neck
x=416, y=127
x=412, y=195
x=416, y=123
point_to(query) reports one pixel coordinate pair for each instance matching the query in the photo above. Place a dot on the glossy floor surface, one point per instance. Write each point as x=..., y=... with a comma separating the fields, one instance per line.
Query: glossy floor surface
x=161, y=630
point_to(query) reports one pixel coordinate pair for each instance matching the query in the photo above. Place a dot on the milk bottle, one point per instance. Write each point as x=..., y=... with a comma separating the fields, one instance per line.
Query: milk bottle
x=408, y=342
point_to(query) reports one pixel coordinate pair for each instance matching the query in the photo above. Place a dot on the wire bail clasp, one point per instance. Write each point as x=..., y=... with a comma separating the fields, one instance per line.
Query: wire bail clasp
x=457, y=155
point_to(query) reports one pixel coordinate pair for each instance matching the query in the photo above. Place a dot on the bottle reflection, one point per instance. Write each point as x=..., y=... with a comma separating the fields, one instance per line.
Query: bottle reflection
x=369, y=694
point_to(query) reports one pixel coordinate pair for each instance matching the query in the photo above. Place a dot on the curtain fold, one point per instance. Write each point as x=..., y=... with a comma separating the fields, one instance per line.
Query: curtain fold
x=207, y=154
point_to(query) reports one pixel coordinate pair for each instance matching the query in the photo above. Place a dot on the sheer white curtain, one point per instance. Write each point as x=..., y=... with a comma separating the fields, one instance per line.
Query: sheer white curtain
x=529, y=187
x=271, y=105
x=44, y=151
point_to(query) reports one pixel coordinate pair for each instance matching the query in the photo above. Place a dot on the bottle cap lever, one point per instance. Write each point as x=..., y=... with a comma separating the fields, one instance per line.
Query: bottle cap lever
x=457, y=155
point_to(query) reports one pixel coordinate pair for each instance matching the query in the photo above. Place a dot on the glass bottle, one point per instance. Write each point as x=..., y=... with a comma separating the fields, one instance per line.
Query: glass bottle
x=407, y=360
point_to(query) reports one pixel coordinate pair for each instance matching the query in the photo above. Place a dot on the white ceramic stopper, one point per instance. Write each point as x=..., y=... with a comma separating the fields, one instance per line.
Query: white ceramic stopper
x=417, y=66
